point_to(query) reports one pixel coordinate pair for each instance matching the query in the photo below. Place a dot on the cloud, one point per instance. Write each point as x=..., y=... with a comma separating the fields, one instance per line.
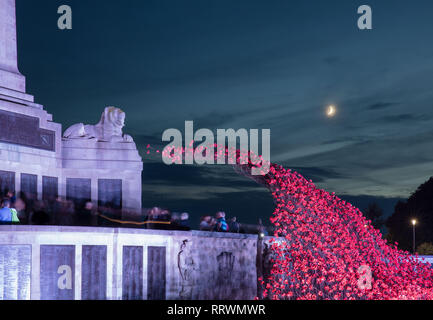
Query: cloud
x=381, y=105
x=404, y=118
x=193, y=175
x=310, y=150
x=317, y=174
x=332, y=60
x=188, y=192
x=362, y=202
x=386, y=166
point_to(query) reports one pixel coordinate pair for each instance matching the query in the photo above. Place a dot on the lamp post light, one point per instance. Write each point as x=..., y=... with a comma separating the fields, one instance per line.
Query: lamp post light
x=414, y=222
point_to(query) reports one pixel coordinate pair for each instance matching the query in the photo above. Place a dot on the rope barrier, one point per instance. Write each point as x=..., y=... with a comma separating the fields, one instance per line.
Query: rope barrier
x=133, y=222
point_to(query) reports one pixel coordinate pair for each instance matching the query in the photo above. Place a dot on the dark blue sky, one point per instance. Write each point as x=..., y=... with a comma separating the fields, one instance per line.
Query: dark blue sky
x=247, y=64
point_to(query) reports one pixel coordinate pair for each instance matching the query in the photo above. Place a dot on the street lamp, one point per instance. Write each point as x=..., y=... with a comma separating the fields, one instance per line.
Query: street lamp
x=413, y=234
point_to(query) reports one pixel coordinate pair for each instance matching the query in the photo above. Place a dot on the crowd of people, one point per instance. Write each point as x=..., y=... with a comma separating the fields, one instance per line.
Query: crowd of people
x=26, y=210
x=219, y=223
x=158, y=218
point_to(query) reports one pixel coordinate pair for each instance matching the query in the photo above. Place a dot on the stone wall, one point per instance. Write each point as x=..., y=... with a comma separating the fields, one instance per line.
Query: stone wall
x=74, y=263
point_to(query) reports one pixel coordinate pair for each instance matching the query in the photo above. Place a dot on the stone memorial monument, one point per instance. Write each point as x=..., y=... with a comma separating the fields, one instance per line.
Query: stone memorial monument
x=98, y=163
x=95, y=163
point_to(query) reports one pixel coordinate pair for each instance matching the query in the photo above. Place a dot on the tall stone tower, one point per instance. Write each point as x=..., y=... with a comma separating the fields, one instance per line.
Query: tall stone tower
x=10, y=77
x=30, y=142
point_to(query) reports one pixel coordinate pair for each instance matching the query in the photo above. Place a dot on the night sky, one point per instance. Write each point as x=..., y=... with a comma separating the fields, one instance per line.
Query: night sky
x=247, y=64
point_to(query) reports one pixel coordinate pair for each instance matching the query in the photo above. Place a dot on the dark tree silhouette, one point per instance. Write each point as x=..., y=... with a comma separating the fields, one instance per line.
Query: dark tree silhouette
x=374, y=213
x=419, y=206
x=425, y=249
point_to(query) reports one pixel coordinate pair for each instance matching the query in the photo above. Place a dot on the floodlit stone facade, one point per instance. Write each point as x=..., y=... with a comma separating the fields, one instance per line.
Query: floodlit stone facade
x=95, y=163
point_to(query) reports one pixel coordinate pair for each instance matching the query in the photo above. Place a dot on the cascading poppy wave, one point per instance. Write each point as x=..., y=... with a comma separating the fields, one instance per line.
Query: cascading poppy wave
x=324, y=248
x=330, y=246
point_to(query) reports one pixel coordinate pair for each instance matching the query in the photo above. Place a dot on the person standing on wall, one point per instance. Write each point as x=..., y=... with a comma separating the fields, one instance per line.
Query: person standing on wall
x=221, y=224
x=234, y=225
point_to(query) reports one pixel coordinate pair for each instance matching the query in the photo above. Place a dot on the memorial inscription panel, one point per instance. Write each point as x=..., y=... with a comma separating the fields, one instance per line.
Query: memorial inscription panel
x=15, y=267
x=156, y=265
x=50, y=188
x=25, y=131
x=132, y=279
x=7, y=181
x=57, y=272
x=94, y=273
x=29, y=185
x=110, y=193
x=79, y=191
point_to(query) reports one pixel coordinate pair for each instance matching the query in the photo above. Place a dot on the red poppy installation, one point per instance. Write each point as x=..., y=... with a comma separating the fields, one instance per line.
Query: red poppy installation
x=324, y=248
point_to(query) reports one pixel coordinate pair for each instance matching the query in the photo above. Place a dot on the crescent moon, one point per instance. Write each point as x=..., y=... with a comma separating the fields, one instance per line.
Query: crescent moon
x=331, y=111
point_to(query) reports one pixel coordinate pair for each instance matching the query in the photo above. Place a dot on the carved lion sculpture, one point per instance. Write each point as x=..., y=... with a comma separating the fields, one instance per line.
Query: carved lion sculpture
x=109, y=129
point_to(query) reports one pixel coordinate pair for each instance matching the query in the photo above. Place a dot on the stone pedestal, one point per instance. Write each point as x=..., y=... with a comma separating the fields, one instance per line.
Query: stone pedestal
x=112, y=169
x=96, y=163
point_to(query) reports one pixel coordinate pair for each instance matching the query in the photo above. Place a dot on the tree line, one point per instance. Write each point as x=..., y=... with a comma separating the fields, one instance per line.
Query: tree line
x=398, y=227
